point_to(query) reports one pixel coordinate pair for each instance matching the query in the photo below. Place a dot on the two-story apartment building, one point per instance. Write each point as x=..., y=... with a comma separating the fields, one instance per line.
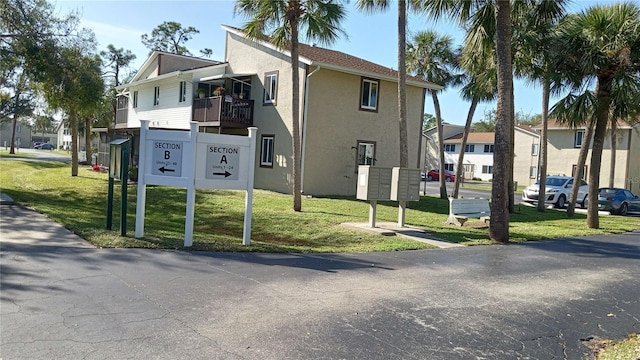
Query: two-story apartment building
x=22, y=137
x=349, y=114
x=478, y=154
x=564, y=147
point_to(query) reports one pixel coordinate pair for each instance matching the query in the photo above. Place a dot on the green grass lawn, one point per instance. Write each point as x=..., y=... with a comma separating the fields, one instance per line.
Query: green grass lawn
x=5, y=153
x=79, y=203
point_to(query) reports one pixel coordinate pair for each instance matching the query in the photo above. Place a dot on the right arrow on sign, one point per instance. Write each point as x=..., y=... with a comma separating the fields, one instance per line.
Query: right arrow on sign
x=226, y=173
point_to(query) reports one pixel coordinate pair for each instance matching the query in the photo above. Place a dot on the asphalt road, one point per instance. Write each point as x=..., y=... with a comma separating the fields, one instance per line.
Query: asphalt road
x=61, y=298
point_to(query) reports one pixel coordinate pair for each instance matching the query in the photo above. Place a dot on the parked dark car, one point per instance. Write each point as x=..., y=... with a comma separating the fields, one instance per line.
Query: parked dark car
x=618, y=201
x=435, y=175
x=45, y=146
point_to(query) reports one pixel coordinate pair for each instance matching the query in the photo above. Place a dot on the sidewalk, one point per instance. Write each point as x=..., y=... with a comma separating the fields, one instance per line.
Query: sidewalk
x=5, y=199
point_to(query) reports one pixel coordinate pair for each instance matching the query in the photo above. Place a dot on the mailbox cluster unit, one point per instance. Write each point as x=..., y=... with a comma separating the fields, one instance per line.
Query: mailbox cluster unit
x=385, y=183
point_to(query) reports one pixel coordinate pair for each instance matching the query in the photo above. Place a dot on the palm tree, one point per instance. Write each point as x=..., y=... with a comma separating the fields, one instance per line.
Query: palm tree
x=282, y=21
x=531, y=60
x=480, y=84
x=431, y=57
x=574, y=111
x=371, y=6
x=626, y=91
x=597, y=44
x=499, y=225
x=488, y=23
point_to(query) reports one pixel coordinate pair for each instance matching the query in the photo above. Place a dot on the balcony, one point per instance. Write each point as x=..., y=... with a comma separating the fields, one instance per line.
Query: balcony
x=216, y=111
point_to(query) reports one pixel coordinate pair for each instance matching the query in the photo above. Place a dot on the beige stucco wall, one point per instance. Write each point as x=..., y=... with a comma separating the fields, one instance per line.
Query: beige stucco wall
x=562, y=155
x=523, y=156
x=269, y=119
x=336, y=124
x=633, y=161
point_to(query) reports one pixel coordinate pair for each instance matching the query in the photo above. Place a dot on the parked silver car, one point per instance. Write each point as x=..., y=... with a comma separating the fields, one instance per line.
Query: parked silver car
x=557, y=191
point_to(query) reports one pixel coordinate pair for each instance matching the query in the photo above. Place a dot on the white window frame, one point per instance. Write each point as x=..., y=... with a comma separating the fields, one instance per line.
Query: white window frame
x=448, y=167
x=469, y=148
x=266, y=150
x=270, y=88
x=585, y=171
x=533, y=172
x=182, y=94
x=450, y=147
x=487, y=169
x=535, y=149
x=370, y=88
x=578, y=139
x=135, y=99
x=156, y=96
x=366, y=153
x=489, y=148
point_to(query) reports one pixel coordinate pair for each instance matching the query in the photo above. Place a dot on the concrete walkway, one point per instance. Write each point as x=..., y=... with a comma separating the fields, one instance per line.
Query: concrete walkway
x=411, y=232
x=62, y=298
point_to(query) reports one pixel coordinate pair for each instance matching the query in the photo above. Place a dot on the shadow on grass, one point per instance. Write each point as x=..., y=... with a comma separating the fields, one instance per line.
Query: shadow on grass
x=40, y=165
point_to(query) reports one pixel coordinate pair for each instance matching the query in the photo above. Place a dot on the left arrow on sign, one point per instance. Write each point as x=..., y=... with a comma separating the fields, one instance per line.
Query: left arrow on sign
x=163, y=169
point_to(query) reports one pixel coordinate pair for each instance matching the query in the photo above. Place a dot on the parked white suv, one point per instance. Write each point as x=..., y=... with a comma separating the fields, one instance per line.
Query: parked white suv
x=557, y=191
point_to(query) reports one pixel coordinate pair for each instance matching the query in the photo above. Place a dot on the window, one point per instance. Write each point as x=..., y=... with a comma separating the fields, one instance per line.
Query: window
x=488, y=149
x=369, y=94
x=469, y=148
x=574, y=168
x=487, y=169
x=182, y=95
x=242, y=88
x=366, y=153
x=156, y=96
x=266, y=151
x=578, y=138
x=270, y=88
x=534, y=149
x=135, y=99
x=448, y=167
x=533, y=172
x=450, y=147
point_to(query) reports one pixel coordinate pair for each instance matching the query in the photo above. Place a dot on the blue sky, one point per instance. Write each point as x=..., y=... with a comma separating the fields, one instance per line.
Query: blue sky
x=371, y=37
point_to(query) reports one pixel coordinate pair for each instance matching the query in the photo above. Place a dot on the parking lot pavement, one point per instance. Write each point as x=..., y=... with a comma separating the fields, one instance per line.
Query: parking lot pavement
x=62, y=298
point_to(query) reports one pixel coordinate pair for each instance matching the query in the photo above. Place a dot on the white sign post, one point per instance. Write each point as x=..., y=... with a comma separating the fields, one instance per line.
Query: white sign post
x=228, y=162
x=195, y=160
x=165, y=155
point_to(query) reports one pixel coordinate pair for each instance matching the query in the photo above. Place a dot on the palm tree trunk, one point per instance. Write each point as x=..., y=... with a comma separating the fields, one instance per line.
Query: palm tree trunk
x=465, y=135
x=614, y=148
x=512, y=129
x=603, y=94
x=402, y=79
x=542, y=170
x=73, y=121
x=292, y=17
x=499, y=224
x=582, y=159
x=441, y=177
